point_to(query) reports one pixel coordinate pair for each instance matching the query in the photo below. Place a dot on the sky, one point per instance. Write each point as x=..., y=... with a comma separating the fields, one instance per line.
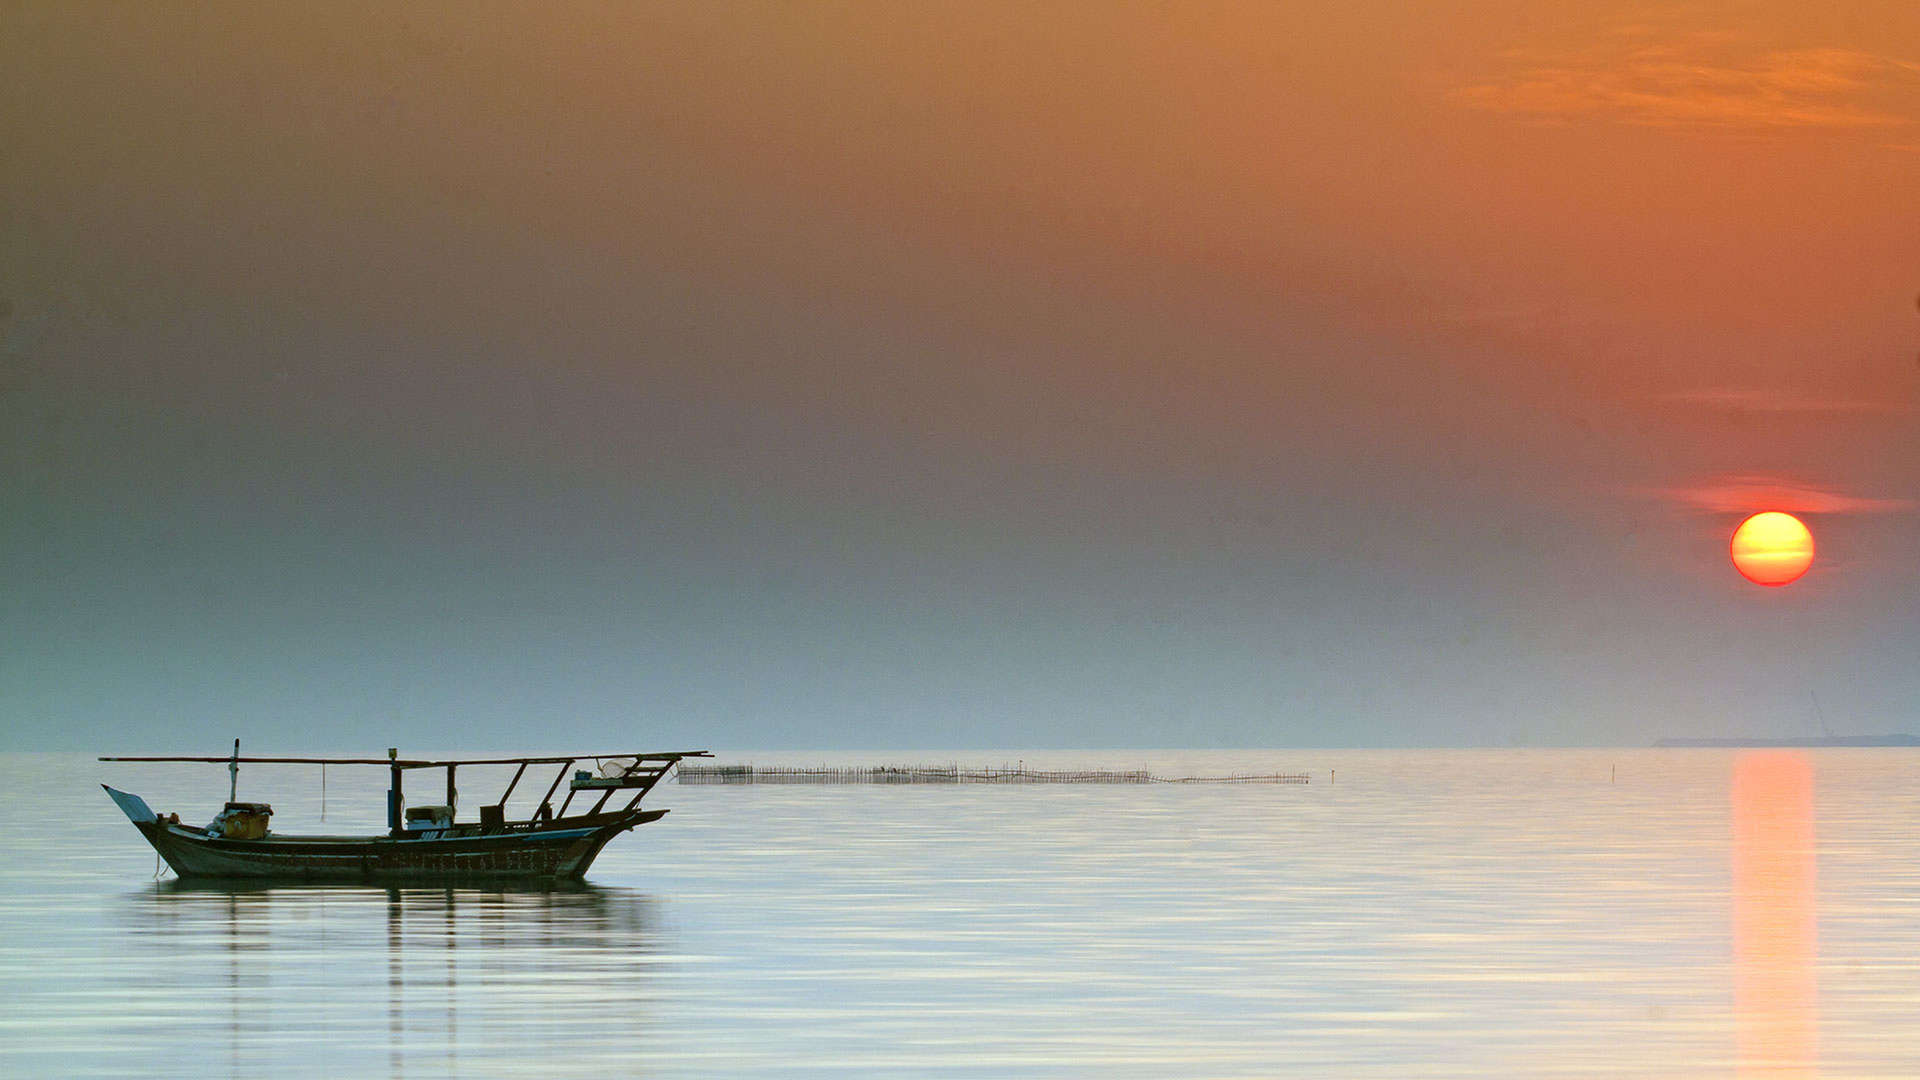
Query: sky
x=576, y=377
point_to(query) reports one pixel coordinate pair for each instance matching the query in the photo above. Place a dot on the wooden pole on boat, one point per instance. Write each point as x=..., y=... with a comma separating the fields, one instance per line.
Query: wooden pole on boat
x=233, y=773
x=513, y=783
x=393, y=793
x=546, y=800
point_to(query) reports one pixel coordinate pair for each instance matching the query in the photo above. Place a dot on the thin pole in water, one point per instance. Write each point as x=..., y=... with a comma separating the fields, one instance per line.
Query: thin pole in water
x=323, y=791
x=233, y=774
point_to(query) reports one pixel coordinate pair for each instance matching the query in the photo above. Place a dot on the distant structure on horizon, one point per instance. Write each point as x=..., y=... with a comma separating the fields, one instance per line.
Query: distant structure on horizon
x=1816, y=741
x=953, y=774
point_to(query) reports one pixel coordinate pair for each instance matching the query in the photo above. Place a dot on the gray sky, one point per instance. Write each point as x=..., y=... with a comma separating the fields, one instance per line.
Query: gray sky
x=581, y=376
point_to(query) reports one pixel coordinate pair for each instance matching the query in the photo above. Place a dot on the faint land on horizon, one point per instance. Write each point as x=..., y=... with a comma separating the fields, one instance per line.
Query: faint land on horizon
x=1816, y=741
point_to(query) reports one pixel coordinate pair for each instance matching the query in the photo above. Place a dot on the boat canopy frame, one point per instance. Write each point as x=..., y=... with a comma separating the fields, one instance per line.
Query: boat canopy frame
x=645, y=771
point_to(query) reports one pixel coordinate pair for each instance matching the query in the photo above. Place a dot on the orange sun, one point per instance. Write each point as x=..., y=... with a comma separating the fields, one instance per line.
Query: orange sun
x=1772, y=548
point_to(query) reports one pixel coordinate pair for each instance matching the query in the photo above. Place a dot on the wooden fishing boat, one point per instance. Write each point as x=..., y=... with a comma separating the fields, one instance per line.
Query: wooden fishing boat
x=421, y=842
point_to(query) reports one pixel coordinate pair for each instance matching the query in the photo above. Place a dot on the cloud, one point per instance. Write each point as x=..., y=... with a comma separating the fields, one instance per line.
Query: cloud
x=1645, y=76
x=1746, y=494
x=1735, y=399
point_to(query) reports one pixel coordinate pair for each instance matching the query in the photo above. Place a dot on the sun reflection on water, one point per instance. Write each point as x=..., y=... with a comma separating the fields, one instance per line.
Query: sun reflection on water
x=1775, y=921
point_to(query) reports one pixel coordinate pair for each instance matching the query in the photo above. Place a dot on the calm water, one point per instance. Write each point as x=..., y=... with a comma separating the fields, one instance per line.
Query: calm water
x=1429, y=914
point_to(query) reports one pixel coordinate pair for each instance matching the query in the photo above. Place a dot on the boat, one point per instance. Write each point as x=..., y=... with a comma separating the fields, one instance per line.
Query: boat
x=424, y=842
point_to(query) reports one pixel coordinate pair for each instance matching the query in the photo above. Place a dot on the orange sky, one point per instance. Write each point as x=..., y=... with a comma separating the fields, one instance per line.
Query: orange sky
x=1501, y=315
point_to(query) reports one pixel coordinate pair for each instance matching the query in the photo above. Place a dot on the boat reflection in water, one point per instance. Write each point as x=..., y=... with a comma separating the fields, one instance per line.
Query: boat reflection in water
x=412, y=981
x=1775, y=922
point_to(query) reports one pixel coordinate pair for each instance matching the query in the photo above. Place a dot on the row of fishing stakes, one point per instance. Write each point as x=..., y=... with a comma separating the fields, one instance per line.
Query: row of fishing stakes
x=952, y=774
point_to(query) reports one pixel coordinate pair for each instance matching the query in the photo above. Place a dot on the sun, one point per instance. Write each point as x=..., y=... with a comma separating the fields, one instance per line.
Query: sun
x=1772, y=548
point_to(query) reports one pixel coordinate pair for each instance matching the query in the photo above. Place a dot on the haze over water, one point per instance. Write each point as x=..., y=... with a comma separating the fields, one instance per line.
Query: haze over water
x=1428, y=914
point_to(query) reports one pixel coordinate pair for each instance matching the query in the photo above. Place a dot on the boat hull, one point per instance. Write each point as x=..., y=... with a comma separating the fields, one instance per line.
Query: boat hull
x=562, y=850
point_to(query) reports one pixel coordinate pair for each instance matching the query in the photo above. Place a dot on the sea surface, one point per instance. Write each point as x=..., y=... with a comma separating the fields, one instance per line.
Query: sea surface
x=1407, y=914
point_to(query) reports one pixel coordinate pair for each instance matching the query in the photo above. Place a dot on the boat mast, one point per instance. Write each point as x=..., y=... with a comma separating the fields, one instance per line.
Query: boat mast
x=394, y=810
x=233, y=774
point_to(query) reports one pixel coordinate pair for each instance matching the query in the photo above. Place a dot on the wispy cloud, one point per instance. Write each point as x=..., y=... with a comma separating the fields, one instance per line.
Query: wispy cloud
x=1650, y=76
x=1745, y=494
x=1736, y=399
